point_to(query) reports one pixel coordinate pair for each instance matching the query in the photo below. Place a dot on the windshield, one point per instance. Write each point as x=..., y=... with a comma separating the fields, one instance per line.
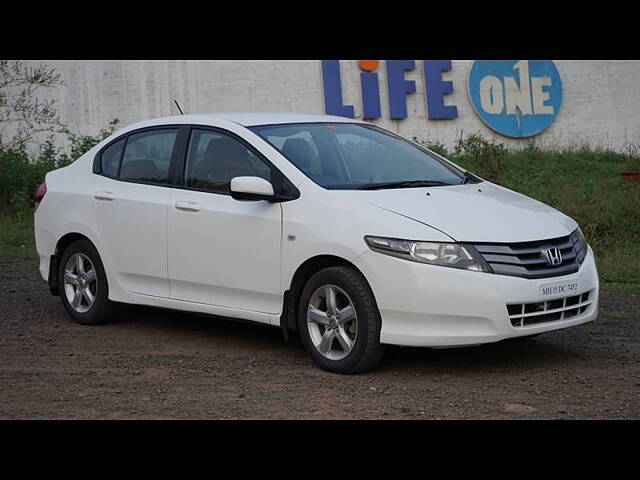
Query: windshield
x=356, y=156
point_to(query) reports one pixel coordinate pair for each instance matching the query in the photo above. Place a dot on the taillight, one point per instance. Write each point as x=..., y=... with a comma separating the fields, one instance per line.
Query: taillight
x=42, y=189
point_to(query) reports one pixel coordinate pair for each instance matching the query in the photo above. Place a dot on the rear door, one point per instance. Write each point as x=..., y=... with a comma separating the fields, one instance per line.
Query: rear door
x=223, y=252
x=131, y=197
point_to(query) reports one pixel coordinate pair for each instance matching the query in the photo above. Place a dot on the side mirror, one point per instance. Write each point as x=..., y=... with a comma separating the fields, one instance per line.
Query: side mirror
x=251, y=188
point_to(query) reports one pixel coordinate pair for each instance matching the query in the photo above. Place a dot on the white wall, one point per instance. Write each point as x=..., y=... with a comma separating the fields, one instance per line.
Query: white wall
x=601, y=99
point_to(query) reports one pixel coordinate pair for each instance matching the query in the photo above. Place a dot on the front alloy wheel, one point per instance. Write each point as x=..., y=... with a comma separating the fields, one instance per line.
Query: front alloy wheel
x=339, y=322
x=332, y=322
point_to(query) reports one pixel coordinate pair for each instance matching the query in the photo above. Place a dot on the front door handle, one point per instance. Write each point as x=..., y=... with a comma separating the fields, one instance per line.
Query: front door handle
x=188, y=206
x=105, y=196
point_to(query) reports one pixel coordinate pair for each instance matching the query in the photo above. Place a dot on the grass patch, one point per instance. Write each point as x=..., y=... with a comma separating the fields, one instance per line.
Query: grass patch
x=17, y=241
x=617, y=314
x=613, y=316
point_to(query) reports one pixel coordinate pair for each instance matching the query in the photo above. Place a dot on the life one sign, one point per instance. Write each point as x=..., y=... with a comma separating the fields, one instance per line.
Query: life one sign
x=516, y=98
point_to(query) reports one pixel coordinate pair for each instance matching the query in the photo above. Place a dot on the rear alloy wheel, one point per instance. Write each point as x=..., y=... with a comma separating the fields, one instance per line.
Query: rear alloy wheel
x=339, y=321
x=80, y=282
x=83, y=284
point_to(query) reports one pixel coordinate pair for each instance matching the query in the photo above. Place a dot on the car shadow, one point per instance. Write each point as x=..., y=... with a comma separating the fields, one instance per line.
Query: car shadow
x=175, y=322
x=542, y=351
x=539, y=352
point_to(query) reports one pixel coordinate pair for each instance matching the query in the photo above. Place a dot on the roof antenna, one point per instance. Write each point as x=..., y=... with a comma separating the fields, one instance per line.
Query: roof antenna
x=179, y=109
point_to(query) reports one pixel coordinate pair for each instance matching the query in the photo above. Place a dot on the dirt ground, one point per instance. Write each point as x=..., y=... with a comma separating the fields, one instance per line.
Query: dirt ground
x=156, y=364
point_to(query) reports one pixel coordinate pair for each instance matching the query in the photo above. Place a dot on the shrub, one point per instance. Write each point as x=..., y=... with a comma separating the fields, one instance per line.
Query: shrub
x=436, y=147
x=20, y=174
x=485, y=157
x=631, y=155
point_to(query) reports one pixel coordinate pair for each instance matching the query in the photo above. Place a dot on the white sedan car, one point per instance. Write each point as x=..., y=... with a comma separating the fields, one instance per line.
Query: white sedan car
x=332, y=227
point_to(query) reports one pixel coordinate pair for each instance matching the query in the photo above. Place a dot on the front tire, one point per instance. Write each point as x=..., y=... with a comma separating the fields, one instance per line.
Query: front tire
x=339, y=322
x=83, y=286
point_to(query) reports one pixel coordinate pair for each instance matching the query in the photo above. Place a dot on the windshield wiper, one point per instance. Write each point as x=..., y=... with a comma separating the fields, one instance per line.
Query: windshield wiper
x=405, y=184
x=469, y=178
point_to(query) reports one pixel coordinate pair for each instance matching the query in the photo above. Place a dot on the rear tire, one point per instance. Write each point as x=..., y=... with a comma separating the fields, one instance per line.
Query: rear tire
x=82, y=284
x=339, y=322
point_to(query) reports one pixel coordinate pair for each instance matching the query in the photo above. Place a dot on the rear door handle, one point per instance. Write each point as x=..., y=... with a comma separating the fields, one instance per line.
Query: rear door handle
x=188, y=206
x=105, y=196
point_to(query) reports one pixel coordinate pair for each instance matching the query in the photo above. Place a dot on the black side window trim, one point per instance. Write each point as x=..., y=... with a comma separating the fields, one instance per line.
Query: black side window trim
x=284, y=188
x=178, y=149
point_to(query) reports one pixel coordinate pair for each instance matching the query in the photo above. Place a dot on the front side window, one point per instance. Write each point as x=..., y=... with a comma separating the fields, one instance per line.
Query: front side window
x=214, y=158
x=356, y=156
x=147, y=156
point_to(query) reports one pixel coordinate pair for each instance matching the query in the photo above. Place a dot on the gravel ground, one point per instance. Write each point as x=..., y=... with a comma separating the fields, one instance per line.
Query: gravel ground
x=158, y=364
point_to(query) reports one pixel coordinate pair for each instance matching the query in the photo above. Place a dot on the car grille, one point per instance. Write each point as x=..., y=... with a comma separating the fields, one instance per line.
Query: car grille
x=528, y=260
x=524, y=314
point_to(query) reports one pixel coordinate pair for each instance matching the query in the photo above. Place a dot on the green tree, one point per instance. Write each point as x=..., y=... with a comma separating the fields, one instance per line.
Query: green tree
x=22, y=113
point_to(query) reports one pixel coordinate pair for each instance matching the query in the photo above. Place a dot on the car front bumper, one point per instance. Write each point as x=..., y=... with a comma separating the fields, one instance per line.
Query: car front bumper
x=432, y=306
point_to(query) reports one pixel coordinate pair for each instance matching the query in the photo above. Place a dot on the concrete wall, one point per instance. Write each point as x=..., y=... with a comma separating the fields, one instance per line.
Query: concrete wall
x=601, y=99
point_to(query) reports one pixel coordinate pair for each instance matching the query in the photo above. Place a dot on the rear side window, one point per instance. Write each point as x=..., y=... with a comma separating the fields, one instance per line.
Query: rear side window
x=110, y=159
x=147, y=156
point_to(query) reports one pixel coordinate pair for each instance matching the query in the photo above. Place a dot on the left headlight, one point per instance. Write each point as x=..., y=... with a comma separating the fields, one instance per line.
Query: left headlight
x=454, y=255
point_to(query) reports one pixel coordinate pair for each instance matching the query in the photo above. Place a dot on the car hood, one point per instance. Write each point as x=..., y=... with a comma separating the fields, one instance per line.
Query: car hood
x=482, y=212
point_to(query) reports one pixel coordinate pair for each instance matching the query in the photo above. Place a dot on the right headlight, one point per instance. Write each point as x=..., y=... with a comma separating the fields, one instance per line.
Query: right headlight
x=454, y=255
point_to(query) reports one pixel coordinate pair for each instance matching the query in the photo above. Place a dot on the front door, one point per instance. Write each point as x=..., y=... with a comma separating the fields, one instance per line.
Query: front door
x=223, y=252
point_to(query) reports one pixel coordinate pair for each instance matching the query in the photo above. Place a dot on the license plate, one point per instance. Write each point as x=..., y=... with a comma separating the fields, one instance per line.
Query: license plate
x=559, y=289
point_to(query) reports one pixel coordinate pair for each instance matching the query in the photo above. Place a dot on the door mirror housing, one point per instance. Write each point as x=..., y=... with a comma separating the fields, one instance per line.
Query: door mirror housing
x=251, y=188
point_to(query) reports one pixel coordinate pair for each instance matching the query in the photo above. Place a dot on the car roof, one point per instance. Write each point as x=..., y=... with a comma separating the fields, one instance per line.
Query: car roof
x=248, y=119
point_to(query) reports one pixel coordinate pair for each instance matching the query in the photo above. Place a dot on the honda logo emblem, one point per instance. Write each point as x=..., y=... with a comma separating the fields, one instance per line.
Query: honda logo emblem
x=553, y=256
